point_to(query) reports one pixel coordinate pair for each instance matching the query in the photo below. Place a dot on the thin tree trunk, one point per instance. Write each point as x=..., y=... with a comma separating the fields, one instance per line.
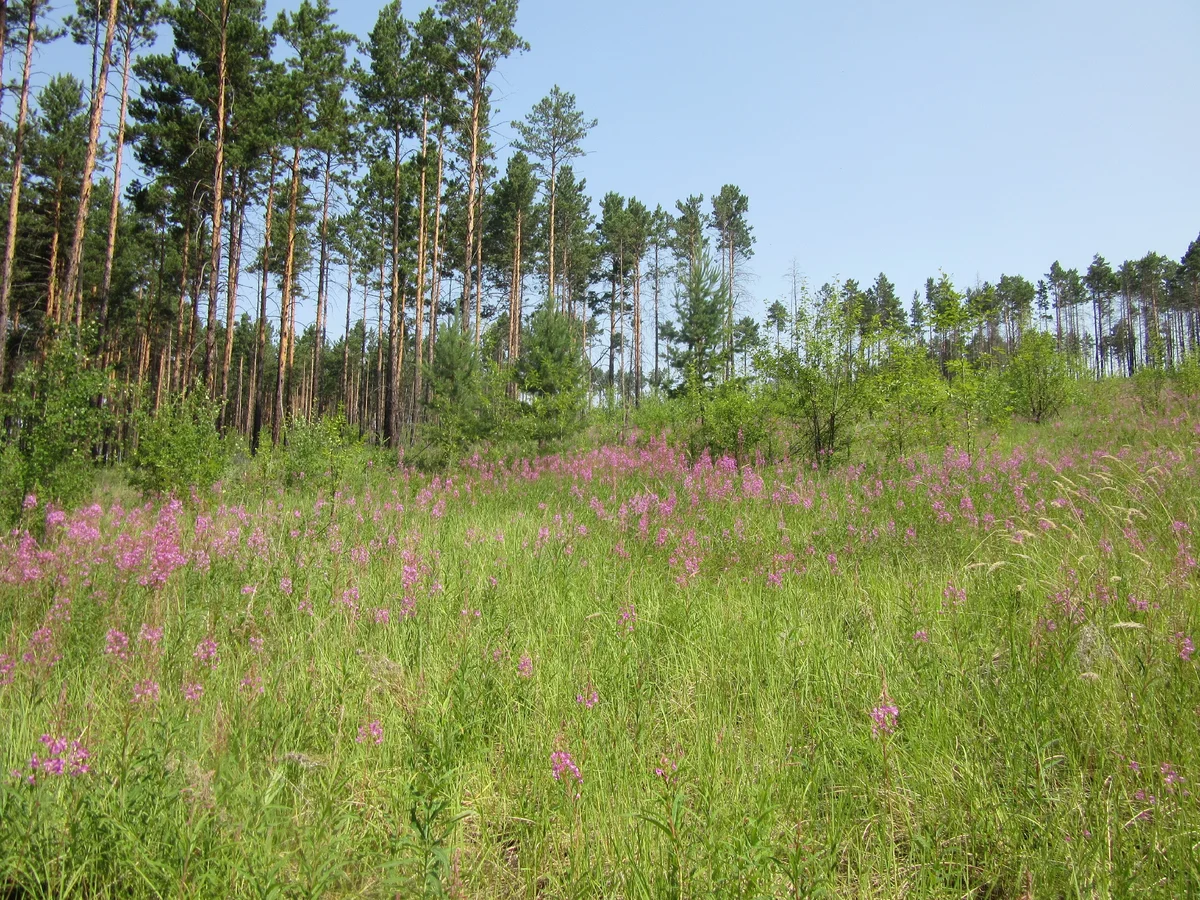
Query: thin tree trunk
x=422, y=236
x=322, y=290
x=237, y=211
x=115, y=206
x=472, y=179
x=218, y=208
x=553, y=192
x=75, y=259
x=435, y=295
x=14, y=197
x=479, y=268
x=390, y=426
x=379, y=387
x=346, y=338
x=254, y=404
x=286, y=338
x=637, y=332
x=177, y=362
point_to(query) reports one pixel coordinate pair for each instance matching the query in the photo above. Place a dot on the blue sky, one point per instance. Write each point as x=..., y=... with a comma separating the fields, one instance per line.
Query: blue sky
x=882, y=136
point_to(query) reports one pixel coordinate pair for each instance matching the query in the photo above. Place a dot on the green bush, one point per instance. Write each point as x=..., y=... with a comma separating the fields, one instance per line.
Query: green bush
x=179, y=446
x=1038, y=377
x=56, y=423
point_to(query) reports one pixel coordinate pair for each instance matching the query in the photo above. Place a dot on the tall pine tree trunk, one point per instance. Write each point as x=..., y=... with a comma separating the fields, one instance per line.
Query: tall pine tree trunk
x=314, y=400
x=114, y=208
x=286, y=319
x=346, y=338
x=637, y=332
x=422, y=236
x=391, y=426
x=75, y=258
x=435, y=294
x=237, y=222
x=472, y=181
x=14, y=197
x=254, y=403
x=218, y=207
x=185, y=258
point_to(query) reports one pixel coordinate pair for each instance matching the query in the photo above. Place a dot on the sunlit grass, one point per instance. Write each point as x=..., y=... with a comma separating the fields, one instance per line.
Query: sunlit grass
x=617, y=674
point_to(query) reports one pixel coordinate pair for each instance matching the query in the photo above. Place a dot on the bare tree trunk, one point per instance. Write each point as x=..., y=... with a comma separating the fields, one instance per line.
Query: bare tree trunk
x=514, y=297
x=637, y=332
x=390, y=426
x=379, y=387
x=346, y=339
x=553, y=192
x=479, y=267
x=422, y=235
x=115, y=206
x=254, y=415
x=177, y=362
x=322, y=290
x=237, y=212
x=286, y=338
x=656, y=295
x=218, y=208
x=14, y=197
x=472, y=180
x=75, y=259
x=435, y=295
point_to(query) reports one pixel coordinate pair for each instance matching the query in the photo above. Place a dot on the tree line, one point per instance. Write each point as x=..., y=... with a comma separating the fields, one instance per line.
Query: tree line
x=288, y=165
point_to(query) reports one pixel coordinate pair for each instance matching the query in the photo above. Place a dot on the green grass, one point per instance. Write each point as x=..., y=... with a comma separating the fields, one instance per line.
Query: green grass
x=1008, y=773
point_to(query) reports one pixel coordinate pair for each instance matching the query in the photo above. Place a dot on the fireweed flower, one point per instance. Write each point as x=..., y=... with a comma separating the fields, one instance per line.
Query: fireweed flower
x=116, y=644
x=884, y=717
x=252, y=684
x=151, y=636
x=372, y=732
x=145, y=692
x=383, y=616
x=31, y=502
x=66, y=757
x=285, y=586
x=921, y=637
x=588, y=700
x=564, y=769
x=206, y=651
x=525, y=666
x=628, y=617
x=192, y=691
x=1185, y=645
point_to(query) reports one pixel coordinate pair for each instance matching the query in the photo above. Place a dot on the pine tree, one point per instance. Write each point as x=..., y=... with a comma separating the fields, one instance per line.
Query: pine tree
x=553, y=134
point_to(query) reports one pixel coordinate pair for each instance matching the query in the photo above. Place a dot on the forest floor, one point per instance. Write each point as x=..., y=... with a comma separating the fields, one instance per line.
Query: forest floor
x=620, y=673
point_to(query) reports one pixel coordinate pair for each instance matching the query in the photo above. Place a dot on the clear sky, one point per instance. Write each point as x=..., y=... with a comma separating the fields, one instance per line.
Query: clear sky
x=875, y=135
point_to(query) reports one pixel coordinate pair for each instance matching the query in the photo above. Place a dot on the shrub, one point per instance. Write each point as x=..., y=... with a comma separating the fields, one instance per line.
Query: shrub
x=1038, y=376
x=55, y=425
x=179, y=446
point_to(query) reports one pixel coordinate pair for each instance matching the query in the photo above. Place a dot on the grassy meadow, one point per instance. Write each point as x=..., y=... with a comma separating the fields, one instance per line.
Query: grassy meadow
x=620, y=672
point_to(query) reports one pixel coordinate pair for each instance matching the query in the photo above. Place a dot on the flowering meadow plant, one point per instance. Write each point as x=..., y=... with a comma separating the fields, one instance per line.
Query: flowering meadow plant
x=404, y=680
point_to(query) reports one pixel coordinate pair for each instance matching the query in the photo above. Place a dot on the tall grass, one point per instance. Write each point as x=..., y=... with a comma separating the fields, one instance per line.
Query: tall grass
x=620, y=673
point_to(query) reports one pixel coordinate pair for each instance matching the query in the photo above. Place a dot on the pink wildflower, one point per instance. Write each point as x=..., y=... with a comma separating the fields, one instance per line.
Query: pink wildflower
x=371, y=732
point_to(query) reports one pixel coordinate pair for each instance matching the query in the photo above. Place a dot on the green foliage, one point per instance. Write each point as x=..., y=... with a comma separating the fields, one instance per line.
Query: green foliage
x=325, y=450
x=179, y=447
x=551, y=371
x=821, y=387
x=456, y=387
x=1186, y=376
x=695, y=336
x=56, y=422
x=733, y=421
x=912, y=397
x=1038, y=376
